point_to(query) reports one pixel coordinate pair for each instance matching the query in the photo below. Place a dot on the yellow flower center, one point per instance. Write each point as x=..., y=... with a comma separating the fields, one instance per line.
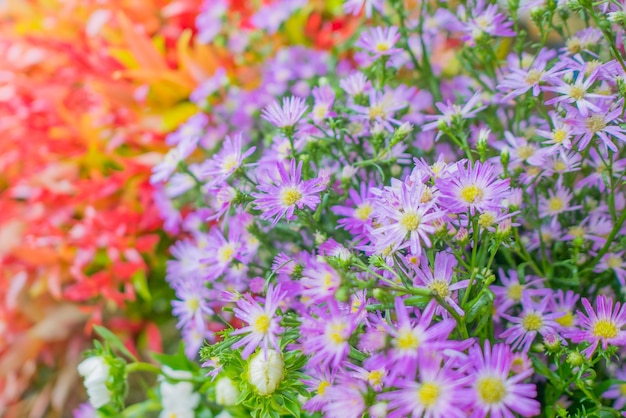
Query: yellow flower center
x=577, y=231
x=533, y=76
x=491, y=390
x=375, y=378
x=440, y=287
x=605, y=329
x=321, y=389
x=406, y=340
x=614, y=262
x=576, y=92
x=382, y=46
x=377, y=111
x=559, y=135
x=566, y=320
x=595, y=123
x=363, y=211
x=555, y=204
x=560, y=166
x=327, y=280
x=225, y=253
x=229, y=163
x=193, y=304
x=261, y=323
x=533, y=171
x=428, y=393
x=525, y=151
x=427, y=196
x=486, y=219
x=622, y=389
x=289, y=196
x=410, y=221
x=514, y=291
x=573, y=45
x=472, y=194
x=532, y=322
x=335, y=333
x=320, y=111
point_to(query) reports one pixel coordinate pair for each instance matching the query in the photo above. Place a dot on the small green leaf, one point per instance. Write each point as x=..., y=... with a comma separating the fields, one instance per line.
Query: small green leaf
x=114, y=341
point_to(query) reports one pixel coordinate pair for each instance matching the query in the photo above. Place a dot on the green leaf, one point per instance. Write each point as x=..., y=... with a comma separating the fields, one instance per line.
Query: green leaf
x=141, y=285
x=113, y=341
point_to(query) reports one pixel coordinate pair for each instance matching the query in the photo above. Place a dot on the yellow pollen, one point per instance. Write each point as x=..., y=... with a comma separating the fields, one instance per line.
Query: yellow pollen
x=406, y=340
x=605, y=329
x=382, y=46
x=410, y=221
x=335, y=332
x=440, y=287
x=532, y=322
x=436, y=168
x=375, y=378
x=289, y=196
x=472, y=194
x=363, y=211
x=514, y=292
x=482, y=22
x=559, y=135
x=321, y=389
x=555, y=204
x=560, y=166
x=486, y=219
x=595, y=123
x=622, y=389
x=573, y=45
x=356, y=304
x=327, y=280
x=491, y=390
x=577, y=231
x=193, y=304
x=262, y=323
x=377, y=111
x=614, y=262
x=225, y=253
x=413, y=259
x=576, y=92
x=229, y=163
x=428, y=393
x=546, y=236
x=525, y=151
x=533, y=76
x=533, y=171
x=427, y=196
x=592, y=65
x=517, y=364
x=320, y=111
x=566, y=320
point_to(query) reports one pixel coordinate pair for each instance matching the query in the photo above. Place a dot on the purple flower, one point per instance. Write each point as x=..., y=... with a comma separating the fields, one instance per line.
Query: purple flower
x=358, y=213
x=209, y=86
x=381, y=109
x=380, y=41
x=355, y=84
x=603, y=325
x=476, y=189
x=453, y=112
x=520, y=80
x=618, y=390
x=615, y=262
x=263, y=324
x=495, y=392
x=163, y=170
x=227, y=161
x=288, y=115
x=602, y=124
x=281, y=195
x=346, y=398
x=439, y=280
x=576, y=93
x=192, y=304
x=354, y=6
x=324, y=98
x=486, y=20
x=533, y=320
x=558, y=201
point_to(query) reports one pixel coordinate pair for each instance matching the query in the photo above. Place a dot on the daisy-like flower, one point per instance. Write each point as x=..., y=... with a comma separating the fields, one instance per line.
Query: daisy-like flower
x=191, y=305
x=381, y=109
x=487, y=20
x=346, y=398
x=520, y=80
x=163, y=170
x=355, y=84
x=263, y=324
x=532, y=321
x=437, y=393
x=358, y=215
x=495, y=392
x=452, y=112
x=440, y=279
x=618, y=390
x=227, y=161
x=407, y=224
x=615, y=262
x=287, y=115
x=324, y=98
x=512, y=289
x=601, y=326
x=603, y=124
x=380, y=41
x=355, y=6
x=558, y=201
x=281, y=195
x=476, y=189
x=577, y=93
x=565, y=302
x=317, y=381
x=560, y=136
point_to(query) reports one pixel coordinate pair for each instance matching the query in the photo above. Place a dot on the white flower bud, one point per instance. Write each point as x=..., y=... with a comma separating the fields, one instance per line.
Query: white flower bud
x=95, y=371
x=178, y=399
x=226, y=393
x=266, y=372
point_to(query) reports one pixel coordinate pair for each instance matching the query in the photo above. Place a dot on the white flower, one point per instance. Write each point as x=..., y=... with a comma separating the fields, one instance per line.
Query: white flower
x=226, y=393
x=266, y=372
x=95, y=371
x=178, y=399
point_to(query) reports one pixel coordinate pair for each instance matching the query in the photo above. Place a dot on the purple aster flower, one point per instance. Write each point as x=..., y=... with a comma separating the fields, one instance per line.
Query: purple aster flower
x=439, y=280
x=439, y=391
x=512, y=289
x=485, y=19
x=288, y=115
x=192, y=130
x=600, y=169
x=270, y=16
x=520, y=80
x=617, y=391
x=209, y=86
x=209, y=20
x=355, y=84
x=603, y=124
x=533, y=320
x=354, y=6
x=358, y=213
x=192, y=304
x=324, y=98
x=615, y=262
x=408, y=223
x=222, y=250
x=603, y=325
x=319, y=281
x=495, y=392
x=318, y=381
x=227, y=161
x=163, y=170
x=577, y=93
x=380, y=41
x=560, y=135
x=558, y=201
x=194, y=338
x=263, y=324
x=565, y=302
x=187, y=262
x=281, y=195
x=452, y=112
x=473, y=189
x=346, y=398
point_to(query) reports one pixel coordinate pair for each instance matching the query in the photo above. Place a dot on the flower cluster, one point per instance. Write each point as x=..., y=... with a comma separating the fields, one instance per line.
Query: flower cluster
x=423, y=221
